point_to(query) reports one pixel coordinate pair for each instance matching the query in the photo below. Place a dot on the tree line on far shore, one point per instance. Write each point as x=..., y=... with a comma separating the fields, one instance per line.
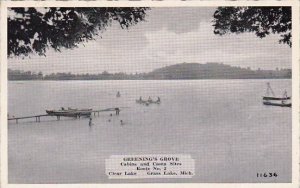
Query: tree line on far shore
x=177, y=71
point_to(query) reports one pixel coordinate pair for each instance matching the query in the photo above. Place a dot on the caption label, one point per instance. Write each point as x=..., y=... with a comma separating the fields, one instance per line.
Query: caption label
x=149, y=166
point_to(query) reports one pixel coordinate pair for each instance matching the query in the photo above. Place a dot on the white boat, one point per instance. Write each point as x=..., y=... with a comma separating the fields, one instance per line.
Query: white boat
x=274, y=100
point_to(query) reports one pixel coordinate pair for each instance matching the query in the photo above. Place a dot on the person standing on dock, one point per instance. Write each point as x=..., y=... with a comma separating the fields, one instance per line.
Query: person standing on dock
x=117, y=111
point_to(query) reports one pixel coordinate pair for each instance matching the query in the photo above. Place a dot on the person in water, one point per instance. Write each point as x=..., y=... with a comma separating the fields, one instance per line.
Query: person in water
x=90, y=122
x=118, y=94
x=122, y=122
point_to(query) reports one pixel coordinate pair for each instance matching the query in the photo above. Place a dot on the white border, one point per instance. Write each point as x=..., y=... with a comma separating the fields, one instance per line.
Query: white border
x=295, y=86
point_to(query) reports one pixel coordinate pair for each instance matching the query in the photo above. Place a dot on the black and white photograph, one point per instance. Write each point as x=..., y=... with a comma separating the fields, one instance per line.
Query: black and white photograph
x=142, y=94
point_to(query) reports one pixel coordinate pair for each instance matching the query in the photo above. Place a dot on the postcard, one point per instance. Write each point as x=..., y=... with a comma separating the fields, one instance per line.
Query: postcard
x=150, y=94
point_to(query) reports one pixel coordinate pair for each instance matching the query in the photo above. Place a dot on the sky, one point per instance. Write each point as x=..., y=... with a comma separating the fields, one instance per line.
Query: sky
x=168, y=36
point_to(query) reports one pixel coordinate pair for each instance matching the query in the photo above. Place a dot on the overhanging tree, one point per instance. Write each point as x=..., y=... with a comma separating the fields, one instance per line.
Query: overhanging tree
x=260, y=20
x=32, y=30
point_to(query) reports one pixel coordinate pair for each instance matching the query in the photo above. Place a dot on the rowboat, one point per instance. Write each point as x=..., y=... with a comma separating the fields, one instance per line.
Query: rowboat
x=147, y=102
x=277, y=104
x=155, y=102
x=70, y=112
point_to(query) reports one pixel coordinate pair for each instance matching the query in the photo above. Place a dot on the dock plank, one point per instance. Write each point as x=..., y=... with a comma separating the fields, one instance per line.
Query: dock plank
x=37, y=117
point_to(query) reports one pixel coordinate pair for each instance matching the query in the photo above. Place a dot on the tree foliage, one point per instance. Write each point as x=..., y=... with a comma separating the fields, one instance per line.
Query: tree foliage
x=34, y=30
x=260, y=20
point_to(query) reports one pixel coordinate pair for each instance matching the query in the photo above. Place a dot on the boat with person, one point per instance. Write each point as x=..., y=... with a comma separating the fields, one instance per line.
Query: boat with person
x=149, y=101
x=283, y=101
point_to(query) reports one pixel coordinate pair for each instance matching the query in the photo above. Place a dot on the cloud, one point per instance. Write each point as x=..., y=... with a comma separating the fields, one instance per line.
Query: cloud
x=170, y=36
x=203, y=46
x=178, y=20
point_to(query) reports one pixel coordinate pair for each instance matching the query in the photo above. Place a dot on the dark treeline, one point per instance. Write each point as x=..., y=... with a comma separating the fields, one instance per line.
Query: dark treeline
x=178, y=71
x=215, y=71
x=100, y=76
x=24, y=75
x=28, y=75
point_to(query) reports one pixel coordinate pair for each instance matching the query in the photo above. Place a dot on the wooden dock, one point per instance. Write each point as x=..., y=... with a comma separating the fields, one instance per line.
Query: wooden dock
x=38, y=117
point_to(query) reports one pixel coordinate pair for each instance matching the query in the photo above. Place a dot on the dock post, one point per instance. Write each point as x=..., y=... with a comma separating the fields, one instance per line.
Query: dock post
x=39, y=118
x=17, y=121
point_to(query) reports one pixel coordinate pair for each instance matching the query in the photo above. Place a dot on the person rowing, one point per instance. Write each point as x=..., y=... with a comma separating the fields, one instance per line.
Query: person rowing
x=140, y=99
x=158, y=99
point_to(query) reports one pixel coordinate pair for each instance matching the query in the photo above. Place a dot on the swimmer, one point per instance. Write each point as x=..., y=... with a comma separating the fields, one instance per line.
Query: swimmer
x=90, y=122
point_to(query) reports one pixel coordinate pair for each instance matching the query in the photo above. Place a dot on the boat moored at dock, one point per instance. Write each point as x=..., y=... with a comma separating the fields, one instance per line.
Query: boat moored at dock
x=70, y=112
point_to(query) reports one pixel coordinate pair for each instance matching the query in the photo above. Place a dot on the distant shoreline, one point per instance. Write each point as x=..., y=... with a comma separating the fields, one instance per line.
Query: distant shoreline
x=182, y=71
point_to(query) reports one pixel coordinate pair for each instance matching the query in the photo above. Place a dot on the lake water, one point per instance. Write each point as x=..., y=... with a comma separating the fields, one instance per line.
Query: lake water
x=222, y=124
